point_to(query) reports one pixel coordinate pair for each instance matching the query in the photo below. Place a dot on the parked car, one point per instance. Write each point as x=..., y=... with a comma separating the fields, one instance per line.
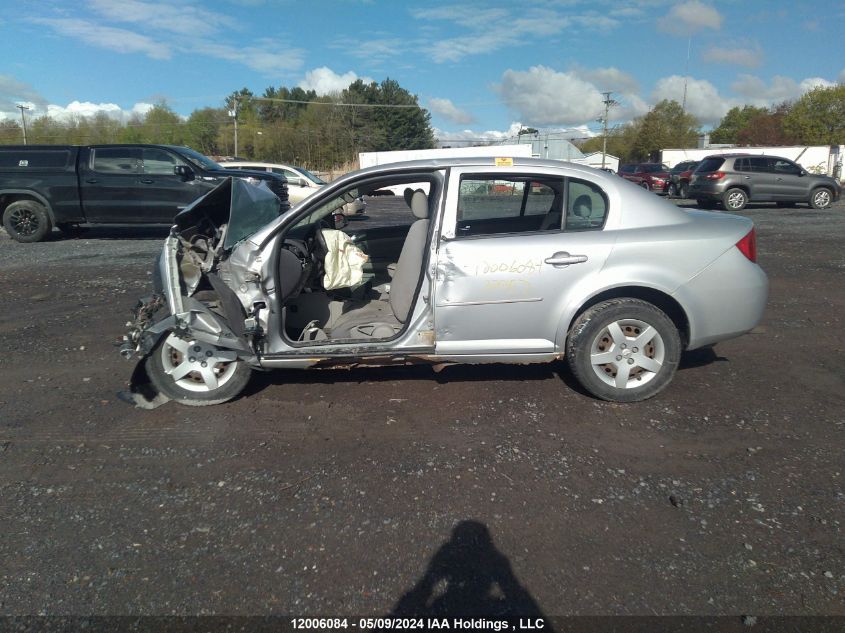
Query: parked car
x=63, y=186
x=571, y=263
x=651, y=176
x=679, y=178
x=301, y=182
x=734, y=180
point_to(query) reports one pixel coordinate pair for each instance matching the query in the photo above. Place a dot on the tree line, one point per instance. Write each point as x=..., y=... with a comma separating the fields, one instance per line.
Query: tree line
x=293, y=125
x=817, y=118
x=289, y=125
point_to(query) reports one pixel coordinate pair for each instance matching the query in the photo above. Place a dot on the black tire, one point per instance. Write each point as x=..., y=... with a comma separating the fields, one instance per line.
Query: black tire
x=234, y=374
x=645, y=185
x=734, y=199
x=27, y=221
x=672, y=190
x=683, y=190
x=592, y=335
x=821, y=198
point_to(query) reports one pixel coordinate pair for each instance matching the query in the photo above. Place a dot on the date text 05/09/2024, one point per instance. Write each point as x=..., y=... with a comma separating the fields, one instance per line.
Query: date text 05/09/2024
x=418, y=624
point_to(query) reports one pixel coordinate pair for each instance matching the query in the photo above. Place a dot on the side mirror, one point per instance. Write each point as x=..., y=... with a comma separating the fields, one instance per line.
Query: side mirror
x=802, y=173
x=340, y=221
x=185, y=172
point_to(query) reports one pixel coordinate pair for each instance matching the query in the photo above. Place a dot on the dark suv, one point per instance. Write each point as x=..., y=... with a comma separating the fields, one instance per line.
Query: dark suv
x=734, y=180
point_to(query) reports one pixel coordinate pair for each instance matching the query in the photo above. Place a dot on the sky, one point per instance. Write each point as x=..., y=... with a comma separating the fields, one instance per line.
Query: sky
x=482, y=69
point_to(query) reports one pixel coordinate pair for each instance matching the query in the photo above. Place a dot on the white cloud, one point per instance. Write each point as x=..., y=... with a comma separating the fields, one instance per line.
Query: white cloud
x=703, y=98
x=76, y=109
x=448, y=110
x=87, y=109
x=546, y=97
x=472, y=137
x=608, y=79
x=184, y=27
x=757, y=92
x=748, y=57
x=118, y=40
x=13, y=91
x=489, y=29
x=179, y=17
x=325, y=81
x=266, y=57
x=690, y=17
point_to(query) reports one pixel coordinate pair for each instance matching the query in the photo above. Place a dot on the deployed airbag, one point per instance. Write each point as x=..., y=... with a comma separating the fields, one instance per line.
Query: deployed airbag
x=344, y=261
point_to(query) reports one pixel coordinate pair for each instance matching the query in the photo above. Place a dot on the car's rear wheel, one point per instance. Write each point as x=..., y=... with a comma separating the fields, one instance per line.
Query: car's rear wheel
x=196, y=373
x=820, y=198
x=683, y=190
x=672, y=190
x=623, y=350
x=27, y=221
x=645, y=185
x=734, y=199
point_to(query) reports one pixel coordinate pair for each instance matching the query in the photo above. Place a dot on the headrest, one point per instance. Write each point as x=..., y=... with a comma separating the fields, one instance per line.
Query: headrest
x=408, y=194
x=583, y=206
x=419, y=204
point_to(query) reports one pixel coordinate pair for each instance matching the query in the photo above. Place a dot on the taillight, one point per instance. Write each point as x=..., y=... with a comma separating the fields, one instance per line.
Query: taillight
x=714, y=175
x=748, y=245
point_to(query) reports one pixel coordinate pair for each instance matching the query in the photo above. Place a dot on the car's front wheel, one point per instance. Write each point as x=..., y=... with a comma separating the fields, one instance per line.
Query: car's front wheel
x=27, y=221
x=820, y=198
x=196, y=373
x=623, y=350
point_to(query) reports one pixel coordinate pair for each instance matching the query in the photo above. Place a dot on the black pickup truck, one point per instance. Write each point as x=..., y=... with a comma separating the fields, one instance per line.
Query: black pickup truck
x=63, y=186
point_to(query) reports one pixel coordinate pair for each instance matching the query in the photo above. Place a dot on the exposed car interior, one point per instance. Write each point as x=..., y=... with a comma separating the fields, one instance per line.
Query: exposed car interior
x=377, y=306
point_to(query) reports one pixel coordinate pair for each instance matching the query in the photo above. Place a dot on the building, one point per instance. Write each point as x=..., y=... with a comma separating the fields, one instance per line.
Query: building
x=595, y=160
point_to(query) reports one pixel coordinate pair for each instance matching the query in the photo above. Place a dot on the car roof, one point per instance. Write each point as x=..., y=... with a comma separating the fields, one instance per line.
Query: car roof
x=257, y=163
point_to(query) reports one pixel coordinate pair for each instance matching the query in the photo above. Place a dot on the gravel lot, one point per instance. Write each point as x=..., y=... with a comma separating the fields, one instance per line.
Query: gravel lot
x=360, y=492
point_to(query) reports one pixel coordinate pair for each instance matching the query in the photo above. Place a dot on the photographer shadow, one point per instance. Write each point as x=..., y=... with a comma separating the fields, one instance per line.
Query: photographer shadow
x=468, y=577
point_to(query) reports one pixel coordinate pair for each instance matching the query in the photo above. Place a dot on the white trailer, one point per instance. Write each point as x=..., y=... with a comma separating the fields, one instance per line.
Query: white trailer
x=819, y=159
x=370, y=159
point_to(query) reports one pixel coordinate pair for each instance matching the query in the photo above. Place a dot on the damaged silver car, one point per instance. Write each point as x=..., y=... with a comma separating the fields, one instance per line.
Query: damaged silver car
x=506, y=260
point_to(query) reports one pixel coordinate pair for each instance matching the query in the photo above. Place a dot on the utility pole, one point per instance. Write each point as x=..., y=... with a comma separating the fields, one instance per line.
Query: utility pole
x=608, y=103
x=686, y=75
x=22, y=107
x=234, y=114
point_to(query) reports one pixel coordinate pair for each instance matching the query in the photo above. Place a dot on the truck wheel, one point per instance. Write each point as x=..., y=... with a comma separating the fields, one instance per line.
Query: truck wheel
x=820, y=198
x=196, y=373
x=27, y=221
x=623, y=350
x=734, y=199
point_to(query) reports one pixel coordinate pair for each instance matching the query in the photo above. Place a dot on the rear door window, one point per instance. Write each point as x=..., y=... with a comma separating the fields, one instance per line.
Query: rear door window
x=116, y=160
x=586, y=206
x=492, y=205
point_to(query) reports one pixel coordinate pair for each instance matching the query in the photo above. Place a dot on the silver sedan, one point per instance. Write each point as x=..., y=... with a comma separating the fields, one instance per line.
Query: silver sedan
x=499, y=260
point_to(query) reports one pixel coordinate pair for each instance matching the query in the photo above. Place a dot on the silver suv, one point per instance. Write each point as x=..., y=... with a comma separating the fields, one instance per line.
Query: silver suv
x=734, y=180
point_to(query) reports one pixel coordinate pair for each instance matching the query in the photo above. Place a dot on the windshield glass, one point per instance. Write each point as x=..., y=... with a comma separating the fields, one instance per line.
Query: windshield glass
x=305, y=225
x=311, y=176
x=203, y=161
x=251, y=208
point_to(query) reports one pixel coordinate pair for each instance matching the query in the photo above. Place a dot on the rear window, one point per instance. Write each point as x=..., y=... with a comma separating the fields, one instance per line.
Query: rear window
x=710, y=164
x=37, y=159
x=651, y=169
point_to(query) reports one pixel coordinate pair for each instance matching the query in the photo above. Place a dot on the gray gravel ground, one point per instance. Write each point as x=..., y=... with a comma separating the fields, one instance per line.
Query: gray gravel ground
x=368, y=491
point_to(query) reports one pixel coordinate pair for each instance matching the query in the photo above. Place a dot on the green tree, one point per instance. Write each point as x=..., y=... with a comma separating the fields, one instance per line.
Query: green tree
x=818, y=118
x=11, y=132
x=665, y=125
x=734, y=121
x=766, y=128
x=202, y=129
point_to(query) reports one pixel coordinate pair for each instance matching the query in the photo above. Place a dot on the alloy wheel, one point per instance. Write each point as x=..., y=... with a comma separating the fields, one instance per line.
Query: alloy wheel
x=627, y=354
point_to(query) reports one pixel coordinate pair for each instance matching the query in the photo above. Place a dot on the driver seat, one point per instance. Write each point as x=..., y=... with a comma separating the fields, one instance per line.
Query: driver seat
x=383, y=319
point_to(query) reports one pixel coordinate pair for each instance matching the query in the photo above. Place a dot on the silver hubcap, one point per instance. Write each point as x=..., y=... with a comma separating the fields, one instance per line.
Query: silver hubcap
x=197, y=366
x=822, y=199
x=627, y=354
x=736, y=200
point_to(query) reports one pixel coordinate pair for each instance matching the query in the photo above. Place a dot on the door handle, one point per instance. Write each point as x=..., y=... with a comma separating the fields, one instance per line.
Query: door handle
x=147, y=181
x=91, y=180
x=747, y=177
x=563, y=258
